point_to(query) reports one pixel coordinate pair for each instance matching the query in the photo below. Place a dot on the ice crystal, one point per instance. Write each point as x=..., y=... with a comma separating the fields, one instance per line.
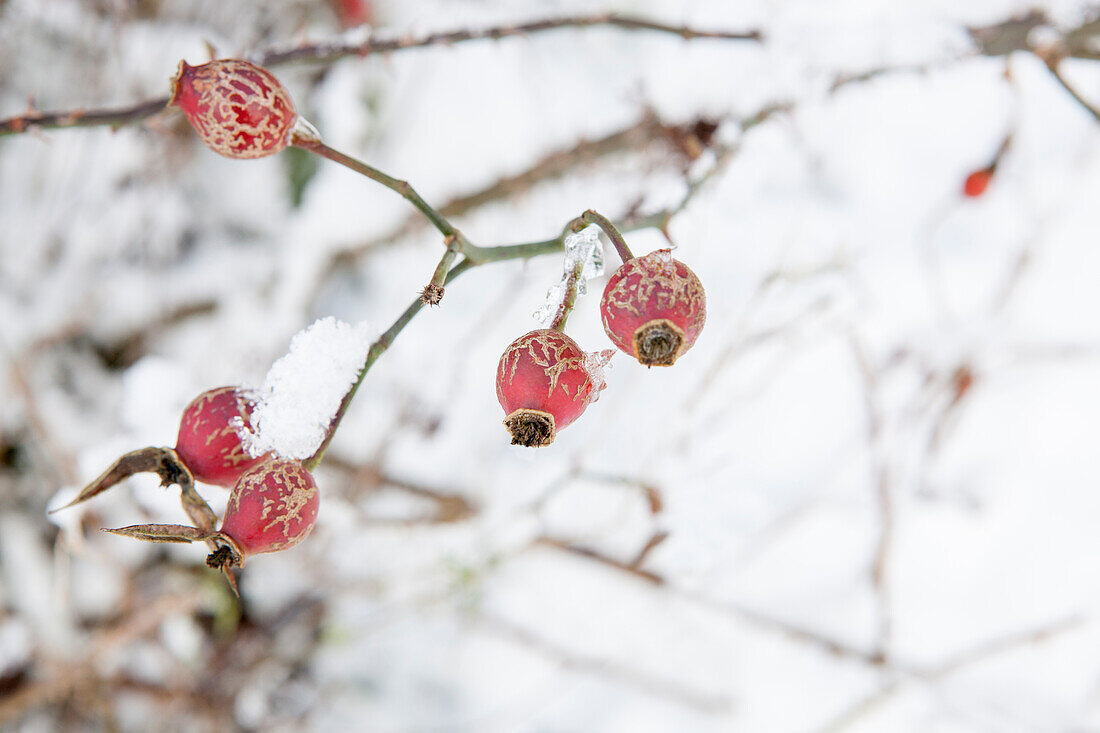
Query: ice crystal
x=582, y=248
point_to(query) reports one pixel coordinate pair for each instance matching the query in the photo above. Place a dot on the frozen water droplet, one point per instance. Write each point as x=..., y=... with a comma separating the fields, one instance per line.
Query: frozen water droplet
x=584, y=248
x=581, y=248
x=595, y=362
x=661, y=259
x=549, y=308
x=304, y=131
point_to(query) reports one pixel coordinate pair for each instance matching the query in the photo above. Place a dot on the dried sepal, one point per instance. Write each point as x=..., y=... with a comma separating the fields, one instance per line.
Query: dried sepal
x=196, y=507
x=226, y=555
x=180, y=533
x=164, y=462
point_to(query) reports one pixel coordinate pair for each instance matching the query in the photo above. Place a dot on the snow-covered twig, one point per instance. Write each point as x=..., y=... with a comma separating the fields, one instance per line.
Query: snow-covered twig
x=327, y=53
x=330, y=52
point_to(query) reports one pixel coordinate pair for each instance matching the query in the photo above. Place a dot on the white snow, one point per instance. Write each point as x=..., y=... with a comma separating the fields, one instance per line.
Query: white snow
x=303, y=390
x=848, y=284
x=584, y=248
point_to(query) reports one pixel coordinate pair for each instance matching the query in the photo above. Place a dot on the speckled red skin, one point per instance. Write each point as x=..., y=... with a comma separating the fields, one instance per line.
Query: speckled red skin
x=272, y=507
x=208, y=443
x=653, y=288
x=239, y=109
x=544, y=370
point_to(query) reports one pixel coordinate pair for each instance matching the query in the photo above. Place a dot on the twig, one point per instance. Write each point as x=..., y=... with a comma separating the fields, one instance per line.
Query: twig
x=395, y=184
x=996, y=40
x=329, y=52
x=63, y=464
x=558, y=163
x=450, y=506
x=473, y=256
x=549, y=167
x=326, y=53
x=433, y=291
x=114, y=117
x=626, y=567
x=75, y=675
x=667, y=688
x=594, y=217
x=723, y=154
x=964, y=659
x=1014, y=34
x=652, y=494
x=376, y=350
x=883, y=494
x=653, y=543
x=758, y=620
x=1053, y=63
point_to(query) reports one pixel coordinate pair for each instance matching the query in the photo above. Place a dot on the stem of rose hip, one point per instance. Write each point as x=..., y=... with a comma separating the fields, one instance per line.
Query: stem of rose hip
x=569, y=299
x=433, y=291
x=376, y=350
x=594, y=217
x=473, y=256
x=394, y=184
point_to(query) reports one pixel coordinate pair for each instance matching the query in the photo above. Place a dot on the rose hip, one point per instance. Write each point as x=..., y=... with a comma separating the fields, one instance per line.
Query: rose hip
x=543, y=384
x=239, y=109
x=977, y=182
x=654, y=308
x=208, y=443
x=272, y=507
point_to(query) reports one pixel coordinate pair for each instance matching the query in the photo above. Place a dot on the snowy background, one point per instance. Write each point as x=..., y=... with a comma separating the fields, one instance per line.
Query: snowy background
x=865, y=501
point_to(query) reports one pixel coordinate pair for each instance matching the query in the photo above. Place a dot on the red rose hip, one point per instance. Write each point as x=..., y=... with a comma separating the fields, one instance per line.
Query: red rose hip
x=239, y=109
x=208, y=443
x=543, y=384
x=654, y=308
x=272, y=507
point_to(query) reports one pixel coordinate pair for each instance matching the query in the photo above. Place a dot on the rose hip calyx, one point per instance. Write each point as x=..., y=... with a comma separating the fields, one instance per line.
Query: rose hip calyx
x=659, y=342
x=530, y=428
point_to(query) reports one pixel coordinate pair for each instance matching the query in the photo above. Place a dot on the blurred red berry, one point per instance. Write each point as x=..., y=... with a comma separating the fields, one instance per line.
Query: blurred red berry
x=354, y=12
x=977, y=182
x=653, y=308
x=272, y=507
x=208, y=443
x=543, y=384
x=239, y=109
